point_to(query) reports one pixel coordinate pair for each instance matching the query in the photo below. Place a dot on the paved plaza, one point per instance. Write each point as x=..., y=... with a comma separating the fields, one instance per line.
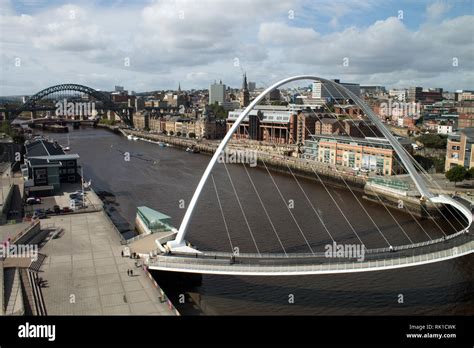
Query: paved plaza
x=85, y=273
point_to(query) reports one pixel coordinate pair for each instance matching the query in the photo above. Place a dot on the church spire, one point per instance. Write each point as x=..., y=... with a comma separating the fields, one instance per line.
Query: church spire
x=244, y=93
x=179, y=87
x=244, y=83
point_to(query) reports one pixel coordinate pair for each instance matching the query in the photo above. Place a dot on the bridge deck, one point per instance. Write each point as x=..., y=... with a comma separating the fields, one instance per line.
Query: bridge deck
x=304, y=264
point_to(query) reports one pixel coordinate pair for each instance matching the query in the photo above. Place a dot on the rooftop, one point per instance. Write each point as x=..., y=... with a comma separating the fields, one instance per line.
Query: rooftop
x=47, y=150
x=42, y=162
x=42, y=147
x=367, y=140
x=152, y=215
x=468, y=132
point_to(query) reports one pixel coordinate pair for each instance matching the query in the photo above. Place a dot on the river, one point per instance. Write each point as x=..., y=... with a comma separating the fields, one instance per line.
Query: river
x=165, y=178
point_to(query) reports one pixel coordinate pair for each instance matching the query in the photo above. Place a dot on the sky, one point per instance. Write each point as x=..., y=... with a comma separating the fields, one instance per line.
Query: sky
x=154, y=45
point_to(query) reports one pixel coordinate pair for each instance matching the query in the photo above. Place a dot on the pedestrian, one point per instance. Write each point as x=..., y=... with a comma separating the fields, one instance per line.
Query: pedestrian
x=131, y=272
x=122, y=253
x=128, y=272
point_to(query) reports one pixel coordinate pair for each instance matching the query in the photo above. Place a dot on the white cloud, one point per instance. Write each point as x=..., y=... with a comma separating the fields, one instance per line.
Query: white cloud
x=385, y=46
x=197, y=41
x=275, y=33
x=437, y=9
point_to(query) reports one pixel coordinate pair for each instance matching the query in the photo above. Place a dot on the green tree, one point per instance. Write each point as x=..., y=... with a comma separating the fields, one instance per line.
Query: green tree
x=17, y=136
x=437, y=141
x=107, y=122
x=6, y=128
x=456, y=174
x=218, y=111
x=470, y=173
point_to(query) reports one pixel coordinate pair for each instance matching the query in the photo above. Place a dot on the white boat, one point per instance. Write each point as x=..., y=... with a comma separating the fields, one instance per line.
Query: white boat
x=129, y=137
x=135, y=138
x=66, y=148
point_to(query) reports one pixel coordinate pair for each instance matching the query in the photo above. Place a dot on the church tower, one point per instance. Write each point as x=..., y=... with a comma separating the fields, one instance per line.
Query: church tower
x=244, y=93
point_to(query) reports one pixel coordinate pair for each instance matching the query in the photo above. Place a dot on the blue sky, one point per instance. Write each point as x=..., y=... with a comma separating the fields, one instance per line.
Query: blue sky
x=198, y=41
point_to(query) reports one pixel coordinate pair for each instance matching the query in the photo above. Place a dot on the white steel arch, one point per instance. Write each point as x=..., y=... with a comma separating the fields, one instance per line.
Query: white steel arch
x=417, y=178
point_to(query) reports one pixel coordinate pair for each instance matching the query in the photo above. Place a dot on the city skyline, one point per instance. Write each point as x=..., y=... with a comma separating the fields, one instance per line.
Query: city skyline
x=154, y=45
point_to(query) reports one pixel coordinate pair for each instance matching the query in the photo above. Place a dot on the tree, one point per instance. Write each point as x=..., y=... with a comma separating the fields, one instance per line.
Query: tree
x=5, y=127
x=171, y=133
x=437, y=141
x=178, y=134
x=107, y=122
x=456, y=174
x=470, y=173
x=192, y=135
x=218, y=111
x=16, y=135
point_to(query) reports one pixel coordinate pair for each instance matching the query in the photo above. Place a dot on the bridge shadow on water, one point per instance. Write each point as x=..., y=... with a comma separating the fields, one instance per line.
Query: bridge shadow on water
x=271, y=297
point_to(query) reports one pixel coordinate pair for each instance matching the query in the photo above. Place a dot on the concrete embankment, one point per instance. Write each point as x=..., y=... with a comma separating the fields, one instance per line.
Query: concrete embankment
x=401, y=201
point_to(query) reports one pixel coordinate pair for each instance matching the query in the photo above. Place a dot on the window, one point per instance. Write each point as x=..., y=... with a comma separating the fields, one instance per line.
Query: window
x=379, y=164
x=41, y=176
x=351, y=160
x=326, y=156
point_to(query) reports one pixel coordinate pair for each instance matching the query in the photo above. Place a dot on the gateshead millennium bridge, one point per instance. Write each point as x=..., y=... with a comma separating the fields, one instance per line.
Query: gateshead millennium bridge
x=178, y=256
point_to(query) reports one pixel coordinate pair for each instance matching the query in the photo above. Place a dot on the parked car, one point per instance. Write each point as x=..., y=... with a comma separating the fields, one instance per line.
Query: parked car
x=33, y=200
x=74, y=203
x=39, y=214
x=76, y=194
x=66, y=210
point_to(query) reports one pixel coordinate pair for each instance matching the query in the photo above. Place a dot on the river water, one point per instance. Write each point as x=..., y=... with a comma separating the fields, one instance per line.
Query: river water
x=165, y=178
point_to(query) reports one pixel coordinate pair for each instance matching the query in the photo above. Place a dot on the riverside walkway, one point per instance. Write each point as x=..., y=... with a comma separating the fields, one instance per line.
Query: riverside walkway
x=85, y=273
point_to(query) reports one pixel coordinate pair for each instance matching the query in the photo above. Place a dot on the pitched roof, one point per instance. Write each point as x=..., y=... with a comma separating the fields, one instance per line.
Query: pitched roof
x=43, y=148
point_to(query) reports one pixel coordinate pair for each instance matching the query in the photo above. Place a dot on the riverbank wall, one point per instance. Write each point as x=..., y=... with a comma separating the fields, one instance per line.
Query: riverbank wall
x=301, y=168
